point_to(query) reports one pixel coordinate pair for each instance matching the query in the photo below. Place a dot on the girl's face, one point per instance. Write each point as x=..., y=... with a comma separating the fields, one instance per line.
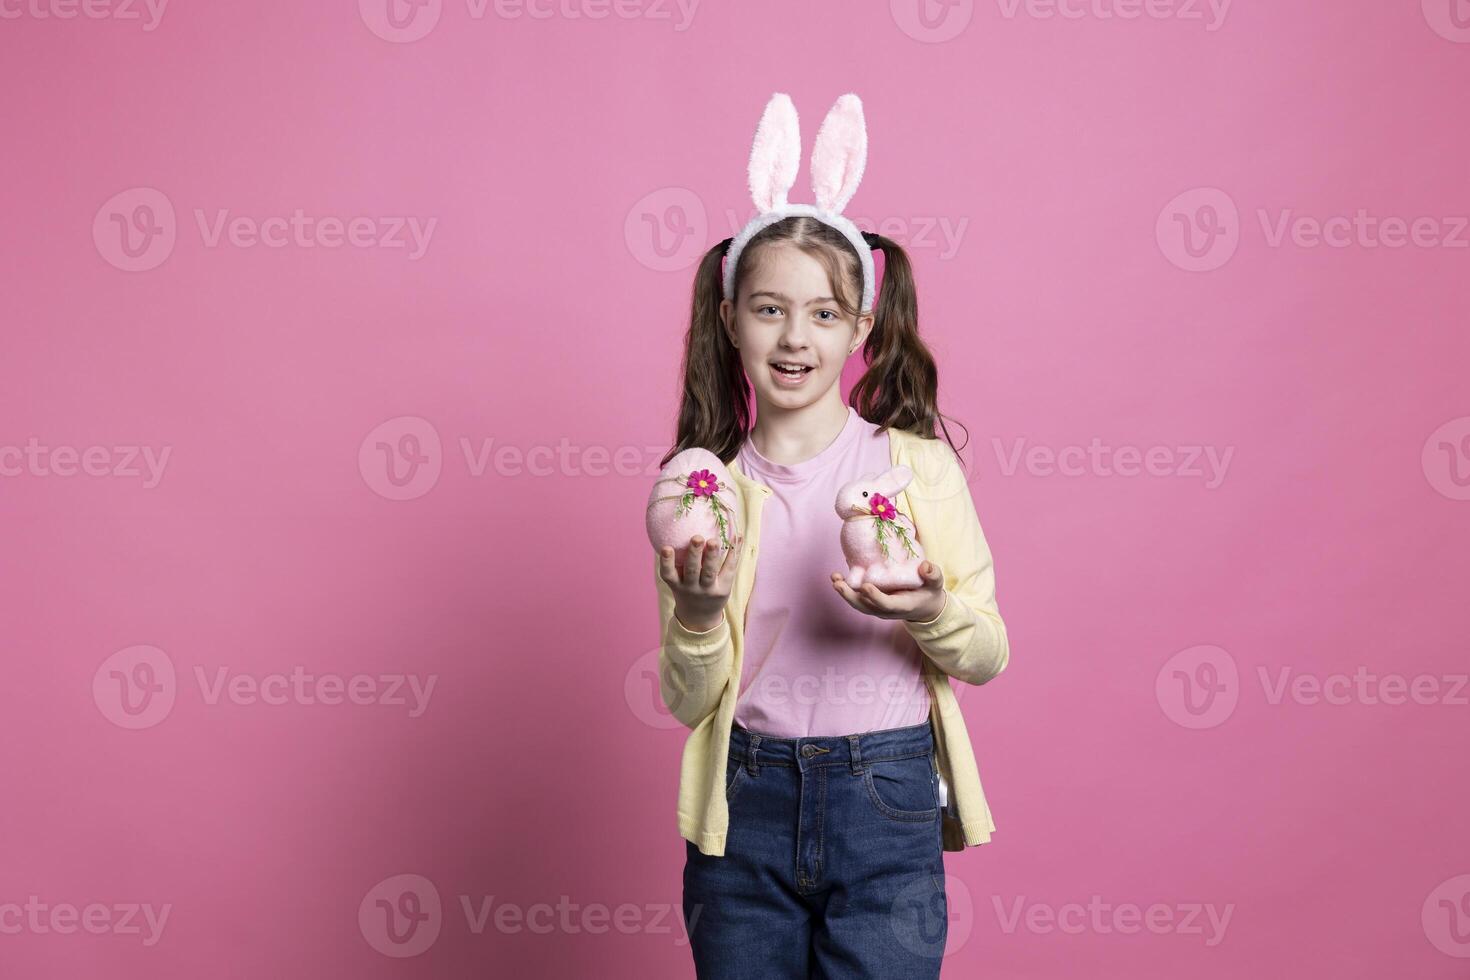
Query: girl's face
x=786, y=315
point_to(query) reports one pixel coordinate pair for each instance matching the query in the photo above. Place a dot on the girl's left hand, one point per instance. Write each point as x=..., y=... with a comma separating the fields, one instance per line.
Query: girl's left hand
x=919, y=605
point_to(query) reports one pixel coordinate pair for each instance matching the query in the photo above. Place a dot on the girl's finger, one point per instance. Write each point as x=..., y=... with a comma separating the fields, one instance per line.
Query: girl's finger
x=845, y=590
x=876, y=598
x=667, y=570
x=693, y=562
x=732, y=557
x=710, y=566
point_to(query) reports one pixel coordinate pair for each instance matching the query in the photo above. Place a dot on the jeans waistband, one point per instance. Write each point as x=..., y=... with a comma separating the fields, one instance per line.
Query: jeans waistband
x=755, y=749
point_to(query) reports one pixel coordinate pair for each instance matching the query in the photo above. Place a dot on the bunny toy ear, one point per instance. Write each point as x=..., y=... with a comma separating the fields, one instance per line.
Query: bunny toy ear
x=894, y=480
x=775, y=154
x=840, y=154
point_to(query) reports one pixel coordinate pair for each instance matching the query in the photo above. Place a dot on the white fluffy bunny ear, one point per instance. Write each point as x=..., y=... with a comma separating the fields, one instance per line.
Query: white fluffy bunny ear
x=840, y=154
x=893, y=481
x=776, y=154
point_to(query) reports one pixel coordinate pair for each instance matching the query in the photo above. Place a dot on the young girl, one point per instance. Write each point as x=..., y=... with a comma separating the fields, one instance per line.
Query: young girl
x=828, y=766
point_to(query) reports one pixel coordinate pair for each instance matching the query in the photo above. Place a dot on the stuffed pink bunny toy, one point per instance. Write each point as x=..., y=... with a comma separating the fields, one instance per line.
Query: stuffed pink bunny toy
x=692, y=495
x=878, y=541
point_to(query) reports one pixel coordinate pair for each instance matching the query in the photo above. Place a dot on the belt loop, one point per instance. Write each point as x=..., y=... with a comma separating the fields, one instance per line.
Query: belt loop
x=857, y=755
x=750, y=764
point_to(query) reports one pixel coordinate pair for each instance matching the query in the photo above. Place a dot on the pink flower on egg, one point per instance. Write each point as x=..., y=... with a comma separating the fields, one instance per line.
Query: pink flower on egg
x=883, y=507
x=703, y=483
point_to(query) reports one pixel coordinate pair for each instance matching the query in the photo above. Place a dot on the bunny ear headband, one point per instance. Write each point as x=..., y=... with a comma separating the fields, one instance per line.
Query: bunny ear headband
x=837, y=164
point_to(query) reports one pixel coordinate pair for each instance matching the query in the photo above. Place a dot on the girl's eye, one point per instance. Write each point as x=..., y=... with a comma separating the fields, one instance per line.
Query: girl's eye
x=832, y=316
x=764, y=308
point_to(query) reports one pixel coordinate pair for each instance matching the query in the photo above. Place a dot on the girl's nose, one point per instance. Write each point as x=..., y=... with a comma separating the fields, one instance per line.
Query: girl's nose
x=794, y=335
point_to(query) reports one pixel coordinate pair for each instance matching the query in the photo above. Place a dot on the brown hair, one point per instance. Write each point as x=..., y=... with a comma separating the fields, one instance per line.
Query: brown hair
x=899, y=389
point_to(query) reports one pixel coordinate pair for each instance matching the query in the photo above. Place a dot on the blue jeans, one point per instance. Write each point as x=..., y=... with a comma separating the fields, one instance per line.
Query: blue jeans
x=833, y=865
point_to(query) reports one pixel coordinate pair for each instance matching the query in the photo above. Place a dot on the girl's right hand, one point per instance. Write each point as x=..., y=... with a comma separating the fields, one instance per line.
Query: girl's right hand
x=702, y=586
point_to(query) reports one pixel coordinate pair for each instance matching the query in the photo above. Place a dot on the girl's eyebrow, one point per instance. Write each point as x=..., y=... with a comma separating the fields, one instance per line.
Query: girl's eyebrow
x=786, y=299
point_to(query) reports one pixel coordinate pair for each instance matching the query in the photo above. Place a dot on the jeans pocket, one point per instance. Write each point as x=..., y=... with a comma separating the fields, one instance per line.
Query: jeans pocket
x=736, y=776
x=903, y=789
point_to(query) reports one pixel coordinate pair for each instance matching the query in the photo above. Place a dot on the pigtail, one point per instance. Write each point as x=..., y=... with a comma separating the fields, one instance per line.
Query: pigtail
x=900, y=388
x=714, y=407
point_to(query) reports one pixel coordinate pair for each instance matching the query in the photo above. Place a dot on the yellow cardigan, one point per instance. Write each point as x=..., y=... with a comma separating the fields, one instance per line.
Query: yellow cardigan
x=699, y=673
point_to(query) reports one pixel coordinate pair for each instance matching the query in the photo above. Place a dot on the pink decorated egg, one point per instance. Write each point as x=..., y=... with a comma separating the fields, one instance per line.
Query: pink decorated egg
x=694, y=494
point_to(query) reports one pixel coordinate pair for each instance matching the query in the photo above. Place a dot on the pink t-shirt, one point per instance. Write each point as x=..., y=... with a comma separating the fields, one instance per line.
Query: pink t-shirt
x=813, y=665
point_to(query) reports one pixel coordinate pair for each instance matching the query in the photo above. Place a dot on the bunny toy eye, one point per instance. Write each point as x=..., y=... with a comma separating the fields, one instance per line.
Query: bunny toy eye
x=865, y=493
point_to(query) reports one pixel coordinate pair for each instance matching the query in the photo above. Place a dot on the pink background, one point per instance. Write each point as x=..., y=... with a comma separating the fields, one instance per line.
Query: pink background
x=546, y=316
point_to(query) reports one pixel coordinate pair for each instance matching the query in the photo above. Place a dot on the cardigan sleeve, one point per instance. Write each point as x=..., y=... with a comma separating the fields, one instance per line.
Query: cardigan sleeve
x=967, y=640
x=693, y=668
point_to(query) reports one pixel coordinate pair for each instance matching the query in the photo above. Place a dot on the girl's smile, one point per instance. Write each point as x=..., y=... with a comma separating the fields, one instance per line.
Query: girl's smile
x=790, y=378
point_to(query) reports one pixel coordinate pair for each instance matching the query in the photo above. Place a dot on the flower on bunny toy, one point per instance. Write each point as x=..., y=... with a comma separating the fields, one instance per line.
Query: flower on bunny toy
x=703, y=483
x=885, y=516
